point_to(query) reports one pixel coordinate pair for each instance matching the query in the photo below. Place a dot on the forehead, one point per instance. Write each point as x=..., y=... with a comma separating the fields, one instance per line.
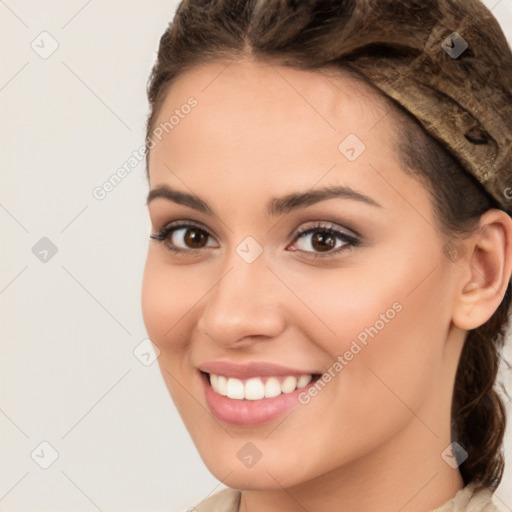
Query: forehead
x=249, y=103
x=261, y=129
x=328, y=92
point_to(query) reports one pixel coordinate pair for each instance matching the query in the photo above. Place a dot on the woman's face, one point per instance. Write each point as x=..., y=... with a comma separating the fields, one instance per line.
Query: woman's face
x=368, y=303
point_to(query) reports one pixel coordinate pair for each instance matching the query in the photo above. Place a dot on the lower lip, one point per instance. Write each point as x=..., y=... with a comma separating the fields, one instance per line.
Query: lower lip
x=246, y=413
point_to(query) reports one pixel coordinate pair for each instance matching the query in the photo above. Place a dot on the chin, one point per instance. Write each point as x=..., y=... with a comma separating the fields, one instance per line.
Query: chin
x=270, y=474
x=260, y=480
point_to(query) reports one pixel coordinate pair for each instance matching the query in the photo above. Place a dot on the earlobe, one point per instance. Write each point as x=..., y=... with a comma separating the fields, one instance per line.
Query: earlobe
x=489, y=267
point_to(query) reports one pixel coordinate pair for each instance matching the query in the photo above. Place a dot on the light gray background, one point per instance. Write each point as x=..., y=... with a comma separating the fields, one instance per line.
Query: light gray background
x=69, y=325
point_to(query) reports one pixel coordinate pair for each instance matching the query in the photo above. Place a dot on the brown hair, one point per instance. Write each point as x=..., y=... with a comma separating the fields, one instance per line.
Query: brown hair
x=309, y=35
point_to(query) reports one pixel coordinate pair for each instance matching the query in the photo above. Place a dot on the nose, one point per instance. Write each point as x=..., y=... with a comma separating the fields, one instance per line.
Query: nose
x=245, y=304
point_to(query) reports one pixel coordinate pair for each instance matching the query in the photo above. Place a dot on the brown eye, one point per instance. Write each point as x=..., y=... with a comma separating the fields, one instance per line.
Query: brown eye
x=323, y=241
x=195, y=238
x=187, y=237
x=183, y=237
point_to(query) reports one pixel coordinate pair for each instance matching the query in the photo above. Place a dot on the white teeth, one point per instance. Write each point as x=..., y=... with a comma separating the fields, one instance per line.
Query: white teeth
x=304, y=381
x=235, y=389
x=222, y=384
x=289, y=384
x=272, y=388
x=255, y=388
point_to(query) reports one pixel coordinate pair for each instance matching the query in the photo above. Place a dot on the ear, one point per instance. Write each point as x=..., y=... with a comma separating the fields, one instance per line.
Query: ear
x=487, y=270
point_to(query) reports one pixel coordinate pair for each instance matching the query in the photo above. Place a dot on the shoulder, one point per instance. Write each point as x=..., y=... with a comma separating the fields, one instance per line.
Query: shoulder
x=469, y=499
x=226, y=500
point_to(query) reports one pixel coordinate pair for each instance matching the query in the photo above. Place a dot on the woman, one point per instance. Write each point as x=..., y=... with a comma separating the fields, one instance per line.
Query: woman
x=328, y=276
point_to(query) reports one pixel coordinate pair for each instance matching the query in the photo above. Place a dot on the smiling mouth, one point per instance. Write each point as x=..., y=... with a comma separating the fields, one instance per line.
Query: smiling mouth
x=258, y=388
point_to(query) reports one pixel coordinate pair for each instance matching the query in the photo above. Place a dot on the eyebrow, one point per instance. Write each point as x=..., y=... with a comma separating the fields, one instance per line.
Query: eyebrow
x=276, y=206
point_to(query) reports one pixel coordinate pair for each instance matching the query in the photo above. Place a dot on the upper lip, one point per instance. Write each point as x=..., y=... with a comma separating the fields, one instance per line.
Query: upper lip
x=249, y=370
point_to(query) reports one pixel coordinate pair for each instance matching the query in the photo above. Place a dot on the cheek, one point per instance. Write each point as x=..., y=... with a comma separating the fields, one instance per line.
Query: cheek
x=386, y=329
x=391, y=303
x=168, y=297
x=169, y=294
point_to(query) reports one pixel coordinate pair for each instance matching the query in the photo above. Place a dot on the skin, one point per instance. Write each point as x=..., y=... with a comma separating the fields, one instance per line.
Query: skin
x=372, y=438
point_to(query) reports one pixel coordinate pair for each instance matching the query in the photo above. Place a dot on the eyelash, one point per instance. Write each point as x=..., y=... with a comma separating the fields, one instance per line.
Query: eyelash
x=350, y=241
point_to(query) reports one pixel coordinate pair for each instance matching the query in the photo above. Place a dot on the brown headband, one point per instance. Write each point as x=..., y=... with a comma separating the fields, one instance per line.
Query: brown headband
x=456, y=80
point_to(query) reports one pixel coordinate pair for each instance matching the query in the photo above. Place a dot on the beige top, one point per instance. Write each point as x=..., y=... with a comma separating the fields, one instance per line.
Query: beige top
x=466, y=500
